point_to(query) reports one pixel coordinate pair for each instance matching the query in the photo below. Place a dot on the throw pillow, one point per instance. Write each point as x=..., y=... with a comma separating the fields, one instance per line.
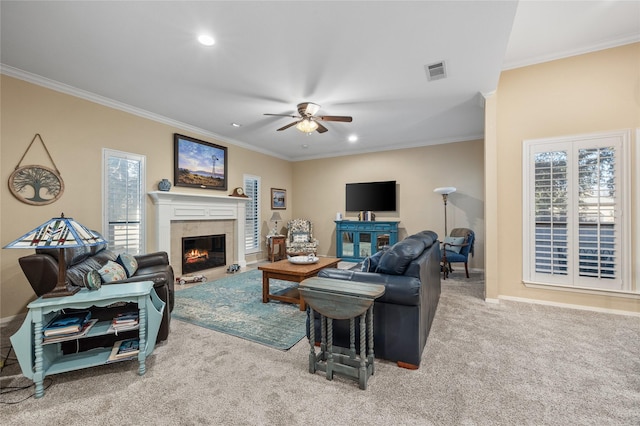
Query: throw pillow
x=128, y=262
x=370, y=264
x=453, y=240
x=112, y=272
x=93, y=281
x=300, y=237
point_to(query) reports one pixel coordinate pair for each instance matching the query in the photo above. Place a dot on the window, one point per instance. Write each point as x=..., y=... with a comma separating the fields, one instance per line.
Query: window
x=576, y=214
x=252, y=222
x=123, y=201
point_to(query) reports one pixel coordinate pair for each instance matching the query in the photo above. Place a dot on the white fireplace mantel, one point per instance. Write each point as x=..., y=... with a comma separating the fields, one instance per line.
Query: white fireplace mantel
x=172, y=206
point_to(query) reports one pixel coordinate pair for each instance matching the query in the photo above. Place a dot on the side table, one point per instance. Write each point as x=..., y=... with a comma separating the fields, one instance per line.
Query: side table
x=340, y=299
x=274, y=241
x=38, y=359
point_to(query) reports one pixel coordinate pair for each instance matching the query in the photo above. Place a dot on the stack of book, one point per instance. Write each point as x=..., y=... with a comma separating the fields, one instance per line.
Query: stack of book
x=68, y=325
x=124, y=321
x=124, y=349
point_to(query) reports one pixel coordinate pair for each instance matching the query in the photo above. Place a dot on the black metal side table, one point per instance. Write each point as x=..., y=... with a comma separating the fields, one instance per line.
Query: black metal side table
x=340, y=299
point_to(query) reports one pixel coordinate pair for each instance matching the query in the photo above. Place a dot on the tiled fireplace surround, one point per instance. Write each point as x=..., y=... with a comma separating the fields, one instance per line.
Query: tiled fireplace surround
x=187, y=215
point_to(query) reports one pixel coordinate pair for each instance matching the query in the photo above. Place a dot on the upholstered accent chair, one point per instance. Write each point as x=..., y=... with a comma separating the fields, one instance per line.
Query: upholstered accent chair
x=300, y=240
x=457, y=247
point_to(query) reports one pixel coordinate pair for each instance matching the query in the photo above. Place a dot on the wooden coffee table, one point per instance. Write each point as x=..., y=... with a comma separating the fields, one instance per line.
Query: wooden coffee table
x=287, y=271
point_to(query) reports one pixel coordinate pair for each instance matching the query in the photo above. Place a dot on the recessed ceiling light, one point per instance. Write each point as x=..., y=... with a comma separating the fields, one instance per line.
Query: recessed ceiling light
x=353, y=138
x=236, y=124
x=206, y=40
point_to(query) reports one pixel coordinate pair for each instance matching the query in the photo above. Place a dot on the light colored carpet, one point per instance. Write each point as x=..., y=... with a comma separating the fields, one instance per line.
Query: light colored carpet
x=233, y=305
x=484, y=364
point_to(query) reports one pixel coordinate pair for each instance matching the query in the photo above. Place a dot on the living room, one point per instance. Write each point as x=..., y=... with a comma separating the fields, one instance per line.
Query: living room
x=587, y=93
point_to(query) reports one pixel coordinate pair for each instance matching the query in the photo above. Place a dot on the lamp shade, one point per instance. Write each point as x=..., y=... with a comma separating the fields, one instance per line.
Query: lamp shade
x=275, y=217
x=445, y=190
x=59, y=232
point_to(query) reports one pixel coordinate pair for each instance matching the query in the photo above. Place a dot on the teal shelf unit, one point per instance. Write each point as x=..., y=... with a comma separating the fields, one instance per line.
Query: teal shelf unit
x=355, y=240
x=38, y=359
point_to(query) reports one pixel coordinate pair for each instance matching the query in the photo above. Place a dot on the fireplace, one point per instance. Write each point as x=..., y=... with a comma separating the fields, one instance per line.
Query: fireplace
x=203, y=252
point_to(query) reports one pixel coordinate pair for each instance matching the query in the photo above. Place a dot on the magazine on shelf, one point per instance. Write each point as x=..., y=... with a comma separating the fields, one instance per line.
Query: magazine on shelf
x=67, y=323
x=70, y=336
x=124, y=322
x=124, y=349
x=126, y=318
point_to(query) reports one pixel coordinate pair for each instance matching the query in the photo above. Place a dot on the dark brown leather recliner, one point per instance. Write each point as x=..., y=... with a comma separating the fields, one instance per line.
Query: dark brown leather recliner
x=41, y=269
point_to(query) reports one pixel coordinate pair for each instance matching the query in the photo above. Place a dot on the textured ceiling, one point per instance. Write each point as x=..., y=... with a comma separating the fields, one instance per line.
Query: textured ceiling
x=363, y=59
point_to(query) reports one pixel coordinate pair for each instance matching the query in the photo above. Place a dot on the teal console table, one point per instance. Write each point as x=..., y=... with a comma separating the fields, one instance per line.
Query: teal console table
x=355, y=240
x=38, y=359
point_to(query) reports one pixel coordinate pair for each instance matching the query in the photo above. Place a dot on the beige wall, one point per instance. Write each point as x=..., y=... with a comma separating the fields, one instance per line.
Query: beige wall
x=588, y=93
x=75, y=131
x=319, y=190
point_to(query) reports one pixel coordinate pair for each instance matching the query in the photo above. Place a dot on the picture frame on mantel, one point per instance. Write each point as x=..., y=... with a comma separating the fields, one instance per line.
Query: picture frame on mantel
x=278, y=199
x=199, y=164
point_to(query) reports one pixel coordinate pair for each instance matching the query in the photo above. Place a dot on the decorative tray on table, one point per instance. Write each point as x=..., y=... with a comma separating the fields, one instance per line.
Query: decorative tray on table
x=303, y=260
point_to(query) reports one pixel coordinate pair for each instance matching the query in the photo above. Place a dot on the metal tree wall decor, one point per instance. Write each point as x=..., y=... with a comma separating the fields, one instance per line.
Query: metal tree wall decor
x=36, y=185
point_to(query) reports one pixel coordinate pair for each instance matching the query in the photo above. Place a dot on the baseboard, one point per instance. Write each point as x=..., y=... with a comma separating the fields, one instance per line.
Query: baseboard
x=564, y=305
x=6, y=320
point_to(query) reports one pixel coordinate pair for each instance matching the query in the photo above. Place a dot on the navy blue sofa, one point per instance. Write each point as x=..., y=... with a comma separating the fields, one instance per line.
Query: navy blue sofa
x=410, y=272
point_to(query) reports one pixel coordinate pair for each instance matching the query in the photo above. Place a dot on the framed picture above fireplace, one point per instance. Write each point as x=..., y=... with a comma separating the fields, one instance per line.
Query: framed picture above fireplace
x=199, y=164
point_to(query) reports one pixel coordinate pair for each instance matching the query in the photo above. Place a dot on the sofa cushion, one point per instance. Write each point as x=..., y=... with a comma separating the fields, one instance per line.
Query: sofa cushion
x=112, y=272
x=128, y=262
x=395, y=260
x=428, y=237
x=72, y=256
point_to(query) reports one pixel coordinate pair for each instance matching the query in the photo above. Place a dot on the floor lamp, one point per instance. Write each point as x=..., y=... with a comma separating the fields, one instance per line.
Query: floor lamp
x=445, y=191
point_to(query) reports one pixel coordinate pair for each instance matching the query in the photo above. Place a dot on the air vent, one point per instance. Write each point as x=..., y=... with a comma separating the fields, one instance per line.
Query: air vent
x=436, y=71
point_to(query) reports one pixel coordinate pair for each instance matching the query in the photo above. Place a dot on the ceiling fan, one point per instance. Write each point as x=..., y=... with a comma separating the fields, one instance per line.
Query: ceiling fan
x=307, y=120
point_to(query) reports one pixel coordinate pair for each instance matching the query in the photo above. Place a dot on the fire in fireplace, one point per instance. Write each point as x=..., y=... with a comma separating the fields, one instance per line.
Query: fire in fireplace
x=203, y=252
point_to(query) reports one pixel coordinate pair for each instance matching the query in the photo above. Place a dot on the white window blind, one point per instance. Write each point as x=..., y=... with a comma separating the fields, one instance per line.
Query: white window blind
x=123, y=201
x=574, y=220
x=252, y=221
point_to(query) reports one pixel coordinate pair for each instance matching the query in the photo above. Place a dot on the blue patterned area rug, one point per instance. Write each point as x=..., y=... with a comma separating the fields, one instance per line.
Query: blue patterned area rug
x=233, y=305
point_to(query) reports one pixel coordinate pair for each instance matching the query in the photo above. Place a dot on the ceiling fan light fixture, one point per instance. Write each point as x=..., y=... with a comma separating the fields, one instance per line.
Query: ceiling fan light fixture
x=307, y=126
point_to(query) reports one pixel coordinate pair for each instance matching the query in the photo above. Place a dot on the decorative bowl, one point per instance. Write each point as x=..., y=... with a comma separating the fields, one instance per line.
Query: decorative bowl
x=303, y=260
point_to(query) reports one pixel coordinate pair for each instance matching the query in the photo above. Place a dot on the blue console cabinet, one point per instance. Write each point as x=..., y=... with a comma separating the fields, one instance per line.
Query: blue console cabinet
x=356, y=240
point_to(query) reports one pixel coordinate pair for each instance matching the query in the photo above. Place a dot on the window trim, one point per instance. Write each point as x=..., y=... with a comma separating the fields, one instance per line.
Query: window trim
x=106, y=153
x=626, y=238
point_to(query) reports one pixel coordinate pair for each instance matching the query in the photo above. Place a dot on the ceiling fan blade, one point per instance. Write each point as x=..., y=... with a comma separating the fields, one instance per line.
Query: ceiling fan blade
x=335, y=118
x=321, y=128
x=287, y=126
x=284, y=115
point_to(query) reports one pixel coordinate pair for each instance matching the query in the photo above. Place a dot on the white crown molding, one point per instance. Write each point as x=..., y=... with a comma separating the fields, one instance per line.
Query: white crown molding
x=110, y=103
x=101, y=100
x=568, y=53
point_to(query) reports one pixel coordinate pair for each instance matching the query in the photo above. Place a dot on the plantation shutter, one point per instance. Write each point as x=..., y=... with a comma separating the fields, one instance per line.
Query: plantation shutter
x=597, y=213
x=124, y=201
x=574, y=220
x=551, y=213
x=252, y=221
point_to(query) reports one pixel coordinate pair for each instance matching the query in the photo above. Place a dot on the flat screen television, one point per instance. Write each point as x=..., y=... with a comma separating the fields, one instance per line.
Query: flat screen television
x=371, y=196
